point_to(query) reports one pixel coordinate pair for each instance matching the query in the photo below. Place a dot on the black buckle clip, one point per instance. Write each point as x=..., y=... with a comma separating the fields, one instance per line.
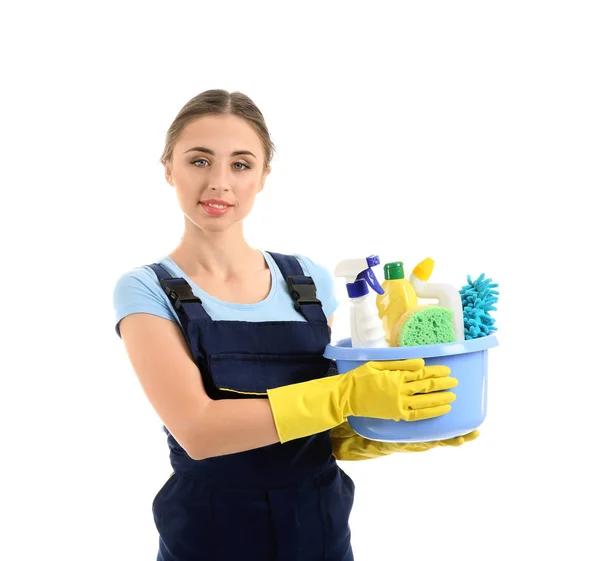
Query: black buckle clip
x=302, y=293
x=179, y=293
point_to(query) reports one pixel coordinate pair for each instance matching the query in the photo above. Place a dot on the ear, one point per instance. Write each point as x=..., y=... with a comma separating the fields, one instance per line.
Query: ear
x=168, y=174
x=263, y=179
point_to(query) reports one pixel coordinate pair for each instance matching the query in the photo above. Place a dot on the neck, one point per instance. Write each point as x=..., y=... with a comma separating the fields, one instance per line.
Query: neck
x=221, y=255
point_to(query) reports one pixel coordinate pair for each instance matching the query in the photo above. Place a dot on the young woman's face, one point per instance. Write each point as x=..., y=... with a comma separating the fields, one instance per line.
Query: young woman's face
x=217, y=170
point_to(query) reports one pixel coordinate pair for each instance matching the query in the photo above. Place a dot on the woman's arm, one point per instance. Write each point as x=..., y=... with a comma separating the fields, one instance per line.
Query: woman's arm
x=172, y=383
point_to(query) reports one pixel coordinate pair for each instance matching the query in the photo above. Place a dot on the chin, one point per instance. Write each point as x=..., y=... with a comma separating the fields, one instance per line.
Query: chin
x=215, y=228
x=209, y=224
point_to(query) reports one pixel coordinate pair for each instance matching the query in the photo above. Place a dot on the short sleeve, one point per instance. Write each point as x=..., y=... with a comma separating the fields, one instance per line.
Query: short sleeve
x=138, y=291
x=324, y=281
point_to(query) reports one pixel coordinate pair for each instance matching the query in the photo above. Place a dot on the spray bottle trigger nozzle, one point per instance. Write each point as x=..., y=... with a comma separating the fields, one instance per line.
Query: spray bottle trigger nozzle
x=372, y=260
x=370, y=277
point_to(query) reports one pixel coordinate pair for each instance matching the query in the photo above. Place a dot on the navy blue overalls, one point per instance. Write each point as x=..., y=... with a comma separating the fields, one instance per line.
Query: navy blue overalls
x=283, y=502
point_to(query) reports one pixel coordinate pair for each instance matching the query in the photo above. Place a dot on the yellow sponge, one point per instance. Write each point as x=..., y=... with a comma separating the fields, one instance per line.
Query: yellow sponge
x=424, y=325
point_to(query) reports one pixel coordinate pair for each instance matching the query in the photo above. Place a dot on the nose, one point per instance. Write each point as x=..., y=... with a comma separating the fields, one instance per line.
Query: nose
x=218, y=178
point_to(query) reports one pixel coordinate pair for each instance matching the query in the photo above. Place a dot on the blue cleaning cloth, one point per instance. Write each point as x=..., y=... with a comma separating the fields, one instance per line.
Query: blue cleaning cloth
x=478, y=300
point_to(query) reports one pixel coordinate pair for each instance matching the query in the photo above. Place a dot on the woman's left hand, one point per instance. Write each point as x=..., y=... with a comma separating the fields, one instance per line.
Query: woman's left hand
x=349, y=446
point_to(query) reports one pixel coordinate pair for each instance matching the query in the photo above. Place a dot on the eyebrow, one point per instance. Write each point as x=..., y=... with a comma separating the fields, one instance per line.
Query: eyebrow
x=209, y=151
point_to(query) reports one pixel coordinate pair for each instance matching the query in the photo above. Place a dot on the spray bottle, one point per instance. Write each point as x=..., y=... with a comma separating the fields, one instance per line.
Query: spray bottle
x=365, y=326
x=447, y=295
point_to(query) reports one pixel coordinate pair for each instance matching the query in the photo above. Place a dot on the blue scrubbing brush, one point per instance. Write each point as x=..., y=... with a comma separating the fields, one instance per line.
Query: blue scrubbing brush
x=478, y=300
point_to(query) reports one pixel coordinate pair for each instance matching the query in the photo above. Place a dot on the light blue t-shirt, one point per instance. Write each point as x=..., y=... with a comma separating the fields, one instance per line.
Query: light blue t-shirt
x=138, y=290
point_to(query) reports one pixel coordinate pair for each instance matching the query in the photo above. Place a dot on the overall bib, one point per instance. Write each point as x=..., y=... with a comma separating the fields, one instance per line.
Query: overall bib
x=282, y=502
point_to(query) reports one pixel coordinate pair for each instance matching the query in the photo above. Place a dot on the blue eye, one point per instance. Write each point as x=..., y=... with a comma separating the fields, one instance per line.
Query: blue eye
x=245, y=166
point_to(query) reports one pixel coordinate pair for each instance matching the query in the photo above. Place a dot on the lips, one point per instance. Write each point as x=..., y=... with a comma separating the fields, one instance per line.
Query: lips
x=217, y=202
x=215, y=207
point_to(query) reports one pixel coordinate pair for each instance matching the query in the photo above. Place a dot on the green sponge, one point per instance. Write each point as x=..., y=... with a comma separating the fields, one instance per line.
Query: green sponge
x=425, y=325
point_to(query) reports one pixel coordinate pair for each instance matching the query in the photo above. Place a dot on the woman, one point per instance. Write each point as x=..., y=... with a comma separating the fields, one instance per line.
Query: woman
x=227, y=343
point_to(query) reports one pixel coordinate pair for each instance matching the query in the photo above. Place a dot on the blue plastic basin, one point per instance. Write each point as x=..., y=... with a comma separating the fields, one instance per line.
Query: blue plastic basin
x=468, y=363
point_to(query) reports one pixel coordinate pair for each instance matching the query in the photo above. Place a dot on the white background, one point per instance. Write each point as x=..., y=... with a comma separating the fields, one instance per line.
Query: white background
x=466, y=131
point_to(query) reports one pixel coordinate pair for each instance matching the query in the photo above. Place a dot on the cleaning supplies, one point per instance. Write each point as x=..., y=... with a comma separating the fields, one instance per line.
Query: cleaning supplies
x=478, y=300
x=365, y=327
x=399, y=296
x=425, y=325
x=446, y=294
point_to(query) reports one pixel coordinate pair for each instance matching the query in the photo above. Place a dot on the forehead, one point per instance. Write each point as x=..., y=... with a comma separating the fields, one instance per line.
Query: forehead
x=219, y=132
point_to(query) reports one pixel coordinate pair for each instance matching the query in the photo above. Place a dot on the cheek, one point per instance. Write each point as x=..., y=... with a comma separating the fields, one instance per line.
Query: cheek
x=188, y=182
x=249, y=187
x=188, y=174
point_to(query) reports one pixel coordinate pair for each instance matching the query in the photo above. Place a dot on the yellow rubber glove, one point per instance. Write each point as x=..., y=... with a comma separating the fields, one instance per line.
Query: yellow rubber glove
x=349, y=446
x=381, y=389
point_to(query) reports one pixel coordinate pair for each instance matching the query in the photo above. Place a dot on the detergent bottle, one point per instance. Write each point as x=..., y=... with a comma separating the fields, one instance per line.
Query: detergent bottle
x=447, y=295
x=399, y=296
x=365, y=326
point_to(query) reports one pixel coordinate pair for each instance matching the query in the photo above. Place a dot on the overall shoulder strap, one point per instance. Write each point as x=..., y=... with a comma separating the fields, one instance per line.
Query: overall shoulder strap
x=187, y=305
x=301, y=287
